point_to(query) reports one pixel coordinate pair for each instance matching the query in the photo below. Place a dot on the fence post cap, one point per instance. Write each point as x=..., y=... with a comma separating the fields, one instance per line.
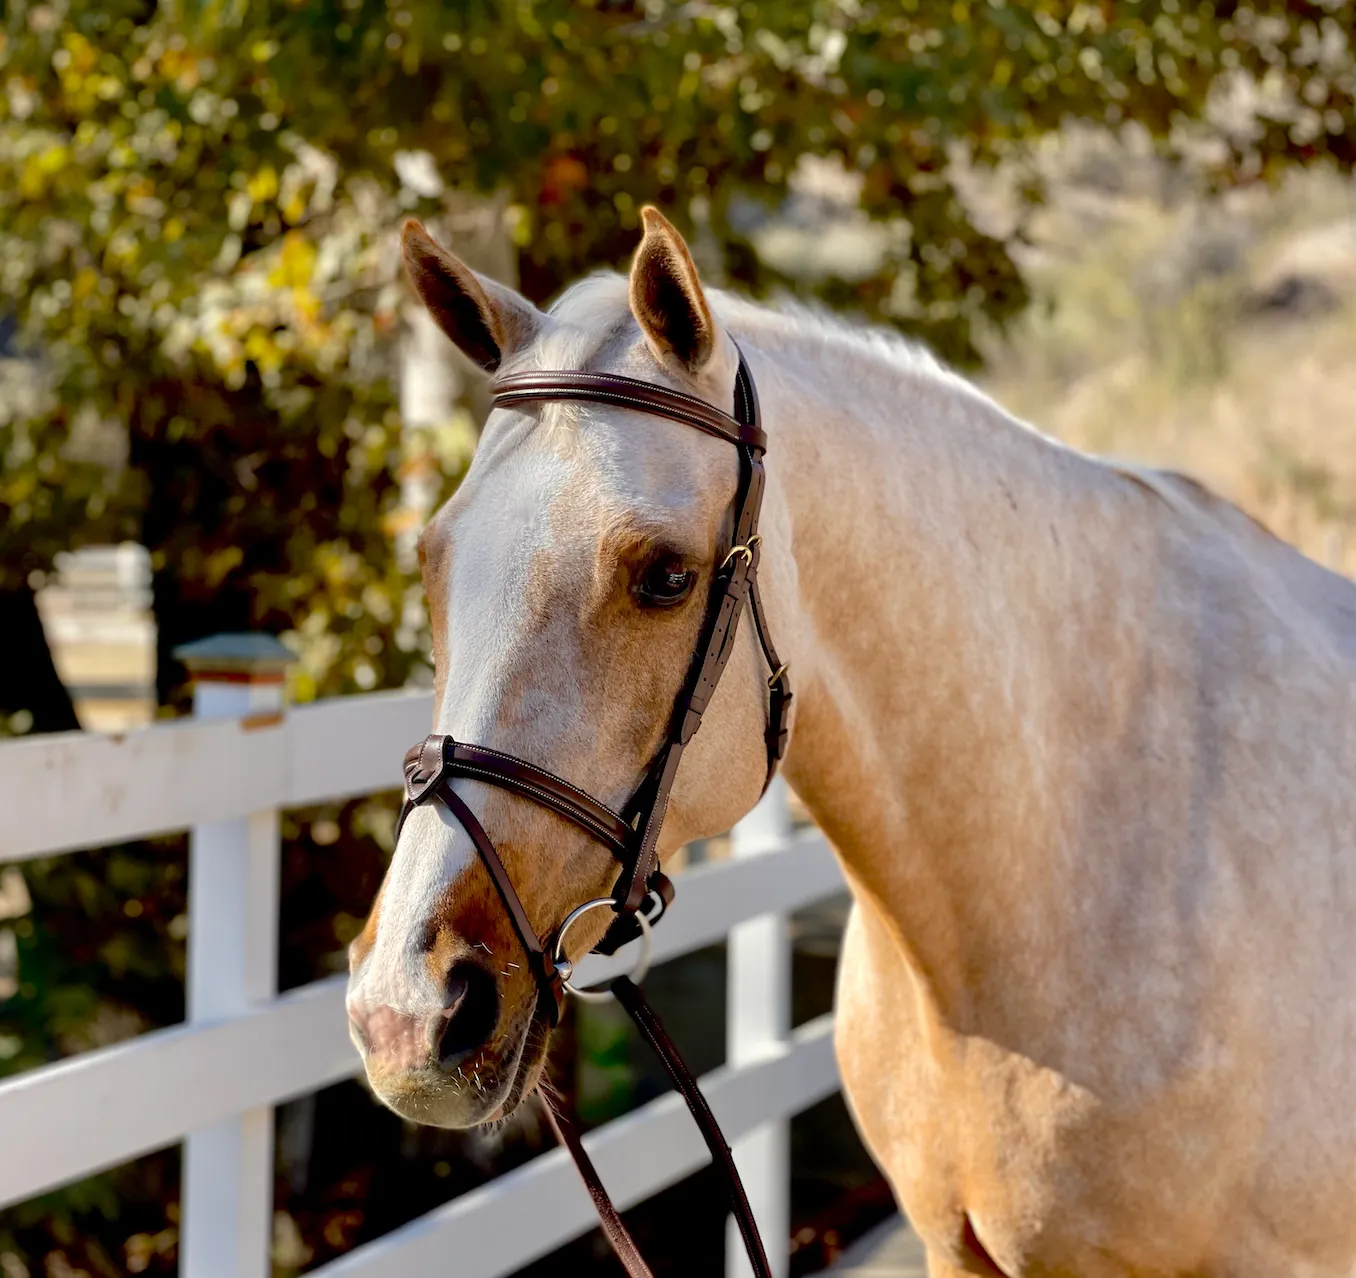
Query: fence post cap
x=236, y=658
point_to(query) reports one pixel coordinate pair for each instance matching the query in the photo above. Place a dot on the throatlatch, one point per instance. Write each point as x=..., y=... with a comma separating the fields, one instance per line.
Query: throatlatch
x=642, y=892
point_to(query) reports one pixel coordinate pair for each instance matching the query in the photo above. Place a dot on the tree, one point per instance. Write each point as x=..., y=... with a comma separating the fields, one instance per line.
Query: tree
x=197, y=202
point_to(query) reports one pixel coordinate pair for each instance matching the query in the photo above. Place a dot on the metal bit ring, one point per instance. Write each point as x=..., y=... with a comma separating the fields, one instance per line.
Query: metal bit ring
x=566, y=968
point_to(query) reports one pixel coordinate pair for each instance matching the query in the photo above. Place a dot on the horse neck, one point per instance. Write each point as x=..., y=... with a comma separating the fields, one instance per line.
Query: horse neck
x=952, y=570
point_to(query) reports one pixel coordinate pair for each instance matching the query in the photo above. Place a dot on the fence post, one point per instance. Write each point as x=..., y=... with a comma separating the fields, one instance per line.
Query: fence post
x=758, y=1020
x=227, y=1204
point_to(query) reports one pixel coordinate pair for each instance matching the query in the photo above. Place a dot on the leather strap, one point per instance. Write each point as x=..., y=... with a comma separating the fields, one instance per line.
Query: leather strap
x=778, y=734
x=779, y=682
x=629, y=995
x=632, y=882
x=618, y=1236
x=549, y=982
x=729, y=590
x=437, y=755
x=638, y=1008
x=550, y=986
x=627, y=392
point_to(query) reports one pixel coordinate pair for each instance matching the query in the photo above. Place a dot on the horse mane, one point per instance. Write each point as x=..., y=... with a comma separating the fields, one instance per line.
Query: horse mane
x=1188, y=496
x=593, y=315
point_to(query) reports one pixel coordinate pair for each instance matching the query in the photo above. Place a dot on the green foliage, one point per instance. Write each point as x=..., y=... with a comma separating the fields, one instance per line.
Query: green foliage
x=196, y=205
x=207, y=299
x=101, y=957
x=585, y=111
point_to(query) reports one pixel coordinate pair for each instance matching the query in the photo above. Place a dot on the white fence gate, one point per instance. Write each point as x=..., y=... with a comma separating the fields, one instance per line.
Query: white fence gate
x=212, y=1082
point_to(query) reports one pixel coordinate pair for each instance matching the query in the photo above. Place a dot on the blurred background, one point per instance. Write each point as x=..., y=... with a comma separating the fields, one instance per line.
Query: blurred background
x=1132, y=221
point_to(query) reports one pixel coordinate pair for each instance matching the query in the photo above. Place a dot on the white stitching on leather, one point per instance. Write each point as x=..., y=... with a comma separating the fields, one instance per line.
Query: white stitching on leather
x=702, y=415
x=495, y=778
x=574, y=789
x=697, y=420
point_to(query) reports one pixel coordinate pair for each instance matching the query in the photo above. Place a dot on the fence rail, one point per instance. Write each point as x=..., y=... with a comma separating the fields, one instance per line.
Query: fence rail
x=79, y=790
x=211, y=1081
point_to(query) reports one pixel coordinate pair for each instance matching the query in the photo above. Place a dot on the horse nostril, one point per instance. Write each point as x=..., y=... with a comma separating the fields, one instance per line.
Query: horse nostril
x=358, y=1024
x=470, y=1013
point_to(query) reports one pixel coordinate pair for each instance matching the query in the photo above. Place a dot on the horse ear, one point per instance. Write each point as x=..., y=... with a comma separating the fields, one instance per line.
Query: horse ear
x=667, y=298
x=486, y=320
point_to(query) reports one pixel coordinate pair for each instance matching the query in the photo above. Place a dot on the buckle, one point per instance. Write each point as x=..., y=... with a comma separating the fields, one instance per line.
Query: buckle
x=747, y=550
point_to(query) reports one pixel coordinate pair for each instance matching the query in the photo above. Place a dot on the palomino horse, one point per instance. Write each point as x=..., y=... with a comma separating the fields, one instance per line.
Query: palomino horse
x=1083, y=736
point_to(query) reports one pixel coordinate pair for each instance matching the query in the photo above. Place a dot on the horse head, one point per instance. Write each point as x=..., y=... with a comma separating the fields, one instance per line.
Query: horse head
x=568, y=582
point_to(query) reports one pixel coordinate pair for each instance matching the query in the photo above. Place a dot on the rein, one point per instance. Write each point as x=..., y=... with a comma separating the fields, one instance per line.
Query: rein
x=643, y=892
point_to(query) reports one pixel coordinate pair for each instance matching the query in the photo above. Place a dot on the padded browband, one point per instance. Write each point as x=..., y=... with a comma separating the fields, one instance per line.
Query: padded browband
x=626, y=392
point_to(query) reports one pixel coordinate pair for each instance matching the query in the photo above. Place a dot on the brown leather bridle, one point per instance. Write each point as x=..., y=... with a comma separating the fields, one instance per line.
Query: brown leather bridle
x=642, y=891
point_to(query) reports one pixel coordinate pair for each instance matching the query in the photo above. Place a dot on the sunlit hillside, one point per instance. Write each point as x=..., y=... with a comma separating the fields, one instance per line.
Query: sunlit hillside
x=1213, y=335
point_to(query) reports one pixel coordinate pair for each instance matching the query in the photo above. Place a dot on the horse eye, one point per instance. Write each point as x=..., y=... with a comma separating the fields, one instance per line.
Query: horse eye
x=664, y=584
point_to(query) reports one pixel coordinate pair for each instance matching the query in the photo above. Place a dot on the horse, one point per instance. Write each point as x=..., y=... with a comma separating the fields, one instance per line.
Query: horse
x=1082, y=735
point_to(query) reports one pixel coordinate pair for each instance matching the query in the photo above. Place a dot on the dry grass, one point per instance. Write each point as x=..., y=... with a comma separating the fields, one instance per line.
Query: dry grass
x=1213, y=336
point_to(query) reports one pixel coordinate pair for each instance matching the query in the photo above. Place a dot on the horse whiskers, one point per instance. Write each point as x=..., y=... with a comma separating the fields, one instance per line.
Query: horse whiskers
x=547, y=1091
x=551, y=1100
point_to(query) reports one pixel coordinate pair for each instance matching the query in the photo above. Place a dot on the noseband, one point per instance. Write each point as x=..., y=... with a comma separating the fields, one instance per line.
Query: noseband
x=642, y=892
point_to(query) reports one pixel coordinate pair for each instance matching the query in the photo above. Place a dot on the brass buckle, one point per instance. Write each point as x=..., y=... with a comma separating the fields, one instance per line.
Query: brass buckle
x=746, y=550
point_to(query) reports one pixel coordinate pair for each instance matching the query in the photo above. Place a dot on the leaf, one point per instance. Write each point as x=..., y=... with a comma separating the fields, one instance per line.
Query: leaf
x=263, y=185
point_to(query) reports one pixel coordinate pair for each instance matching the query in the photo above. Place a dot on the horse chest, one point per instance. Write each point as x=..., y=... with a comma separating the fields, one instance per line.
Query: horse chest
x=1000, y=1161
x=963, y=1156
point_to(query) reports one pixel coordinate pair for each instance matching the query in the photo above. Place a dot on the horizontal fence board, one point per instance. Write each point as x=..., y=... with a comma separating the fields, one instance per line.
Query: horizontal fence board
x=101, y=1108
x=497, y=1229
x=346, y=746
x=104, y=1107
x=711, y=899
x=85, y=789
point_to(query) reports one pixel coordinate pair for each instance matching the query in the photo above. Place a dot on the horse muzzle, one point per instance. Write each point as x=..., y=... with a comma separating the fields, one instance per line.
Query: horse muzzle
x=447, y=1067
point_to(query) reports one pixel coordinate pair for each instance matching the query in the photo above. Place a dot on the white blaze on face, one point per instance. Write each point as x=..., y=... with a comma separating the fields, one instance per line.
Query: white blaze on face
x=502, y=524
x=432, y=853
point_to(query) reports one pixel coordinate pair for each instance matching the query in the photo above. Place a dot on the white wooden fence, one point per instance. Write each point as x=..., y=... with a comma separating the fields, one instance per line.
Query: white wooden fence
x=212, y=1082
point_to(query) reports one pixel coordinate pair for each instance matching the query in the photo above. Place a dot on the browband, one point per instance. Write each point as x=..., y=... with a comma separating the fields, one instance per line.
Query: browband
x=627, y=392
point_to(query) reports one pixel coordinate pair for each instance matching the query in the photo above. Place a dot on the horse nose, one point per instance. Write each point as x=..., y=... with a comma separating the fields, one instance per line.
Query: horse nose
x=394, y=1041
x=399, y=1042
x=469, y=1014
